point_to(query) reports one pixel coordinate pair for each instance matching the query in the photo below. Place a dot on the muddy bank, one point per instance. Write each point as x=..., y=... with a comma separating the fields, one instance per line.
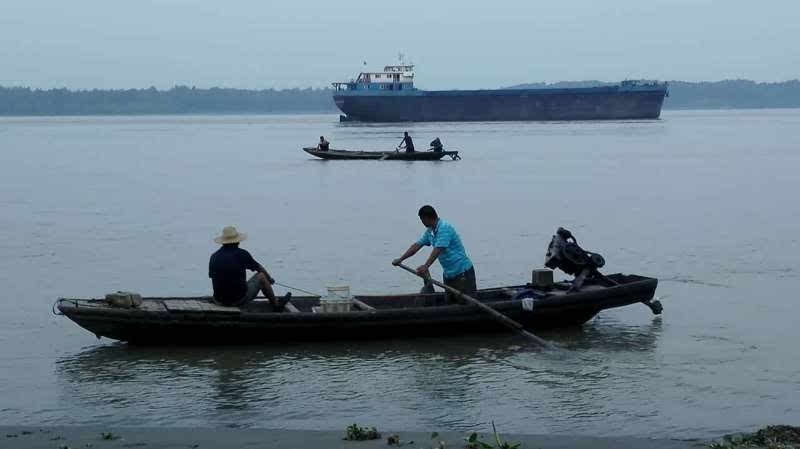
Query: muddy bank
x=22, y=437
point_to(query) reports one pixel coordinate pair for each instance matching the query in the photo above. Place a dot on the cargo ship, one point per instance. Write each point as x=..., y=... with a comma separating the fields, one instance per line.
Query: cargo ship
x=390, y=96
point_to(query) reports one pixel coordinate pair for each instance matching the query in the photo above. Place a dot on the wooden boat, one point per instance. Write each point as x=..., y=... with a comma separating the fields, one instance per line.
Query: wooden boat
x=197, y=320
x=382, y=155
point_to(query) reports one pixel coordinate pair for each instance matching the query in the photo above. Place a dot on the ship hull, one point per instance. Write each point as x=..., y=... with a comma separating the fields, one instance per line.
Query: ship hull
x=609, y=103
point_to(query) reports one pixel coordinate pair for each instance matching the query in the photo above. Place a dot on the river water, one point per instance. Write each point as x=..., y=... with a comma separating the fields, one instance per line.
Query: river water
x=705, y=201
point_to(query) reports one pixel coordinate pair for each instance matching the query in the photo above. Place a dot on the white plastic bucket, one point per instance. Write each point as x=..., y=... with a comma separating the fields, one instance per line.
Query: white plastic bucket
x=337, y=300
x=336, y=305
x=341, y=292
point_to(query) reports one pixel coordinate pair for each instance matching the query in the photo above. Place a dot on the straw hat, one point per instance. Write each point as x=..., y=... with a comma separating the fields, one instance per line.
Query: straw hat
x=230, y=235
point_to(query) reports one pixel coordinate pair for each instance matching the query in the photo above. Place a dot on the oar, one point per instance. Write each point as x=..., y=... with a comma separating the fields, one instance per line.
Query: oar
x=504, y=320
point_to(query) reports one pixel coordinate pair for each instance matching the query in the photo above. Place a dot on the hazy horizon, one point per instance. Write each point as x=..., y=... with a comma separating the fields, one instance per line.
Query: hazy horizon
x=252, y=45
x=254, y=89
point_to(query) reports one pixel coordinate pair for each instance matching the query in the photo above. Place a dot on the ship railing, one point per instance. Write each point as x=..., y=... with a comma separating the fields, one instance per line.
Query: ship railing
x=342, y=85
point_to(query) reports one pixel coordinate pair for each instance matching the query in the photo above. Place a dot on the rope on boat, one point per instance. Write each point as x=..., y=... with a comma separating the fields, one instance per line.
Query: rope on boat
x=298, y=289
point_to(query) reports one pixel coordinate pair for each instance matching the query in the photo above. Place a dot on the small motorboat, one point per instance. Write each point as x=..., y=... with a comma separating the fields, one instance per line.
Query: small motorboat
x=537, y=305
x=196, y=320
x=381, y=155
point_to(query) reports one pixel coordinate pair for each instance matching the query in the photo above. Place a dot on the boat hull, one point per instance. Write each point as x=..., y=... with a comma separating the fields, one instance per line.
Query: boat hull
x=162, y=321
x=600, y=103
x=381, y=155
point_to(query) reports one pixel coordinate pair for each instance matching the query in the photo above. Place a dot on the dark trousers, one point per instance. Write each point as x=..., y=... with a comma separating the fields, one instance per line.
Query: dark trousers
x=464, y=282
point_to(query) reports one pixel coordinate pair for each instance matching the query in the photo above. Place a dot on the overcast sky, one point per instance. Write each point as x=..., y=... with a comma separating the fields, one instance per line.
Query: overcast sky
x=455, y=44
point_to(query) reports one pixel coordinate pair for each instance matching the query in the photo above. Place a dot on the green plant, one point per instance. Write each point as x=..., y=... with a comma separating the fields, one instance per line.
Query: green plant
x=474, y=443
x=357, y=433
x=503, y=444
x=394, y=440
x=109, y=436
x=771, y=437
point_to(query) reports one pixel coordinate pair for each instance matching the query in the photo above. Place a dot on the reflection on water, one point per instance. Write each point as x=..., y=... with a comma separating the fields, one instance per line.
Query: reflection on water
x=610, y=334
x=444, y=381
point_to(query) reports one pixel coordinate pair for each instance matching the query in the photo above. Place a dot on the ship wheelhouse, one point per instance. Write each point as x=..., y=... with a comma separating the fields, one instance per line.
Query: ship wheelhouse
x=392, y=78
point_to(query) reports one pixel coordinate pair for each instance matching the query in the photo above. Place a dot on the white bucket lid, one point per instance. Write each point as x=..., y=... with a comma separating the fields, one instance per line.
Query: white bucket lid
x=342, y=291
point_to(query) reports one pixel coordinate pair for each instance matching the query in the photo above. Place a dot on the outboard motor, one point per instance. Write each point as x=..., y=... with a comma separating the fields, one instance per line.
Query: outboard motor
x=565, y=254
x=437, y=146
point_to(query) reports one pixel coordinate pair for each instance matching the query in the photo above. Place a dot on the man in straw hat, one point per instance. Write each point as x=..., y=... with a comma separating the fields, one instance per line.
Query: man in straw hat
x=227, y=272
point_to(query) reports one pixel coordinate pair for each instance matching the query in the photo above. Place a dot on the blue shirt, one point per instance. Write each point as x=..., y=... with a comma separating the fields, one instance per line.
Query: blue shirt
x=453, y=258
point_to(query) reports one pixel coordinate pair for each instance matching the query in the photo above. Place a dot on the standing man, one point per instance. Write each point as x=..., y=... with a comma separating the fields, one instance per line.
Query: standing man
x=406, y=143
x=447, y=247
x=227, y=272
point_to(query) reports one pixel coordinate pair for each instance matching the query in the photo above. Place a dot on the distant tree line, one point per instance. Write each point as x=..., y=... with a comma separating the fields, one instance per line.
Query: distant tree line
x=729, y=94
x=733, y=94
x=178, y=100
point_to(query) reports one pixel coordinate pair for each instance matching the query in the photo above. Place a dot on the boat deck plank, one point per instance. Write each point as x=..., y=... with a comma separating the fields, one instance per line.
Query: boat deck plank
x=291, y=308
x=152, y=306
x=193, y=305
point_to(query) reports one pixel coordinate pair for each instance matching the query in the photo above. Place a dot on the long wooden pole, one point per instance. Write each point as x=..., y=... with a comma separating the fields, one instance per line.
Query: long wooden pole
x=506, y=321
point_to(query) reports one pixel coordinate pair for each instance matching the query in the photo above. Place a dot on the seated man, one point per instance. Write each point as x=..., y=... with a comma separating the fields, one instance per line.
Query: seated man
x=437, y=146
x=323, y=144
x=227, y=272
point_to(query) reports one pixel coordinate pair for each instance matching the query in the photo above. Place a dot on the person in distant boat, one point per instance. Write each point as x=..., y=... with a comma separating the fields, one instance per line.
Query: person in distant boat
x=226, y=268
x=323, y=144
x=407, y=143
x=437, y=146
x=458, y=271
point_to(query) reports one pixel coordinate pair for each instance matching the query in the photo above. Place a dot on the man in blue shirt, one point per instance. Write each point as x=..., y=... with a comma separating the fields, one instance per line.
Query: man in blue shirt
x=447, y=247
